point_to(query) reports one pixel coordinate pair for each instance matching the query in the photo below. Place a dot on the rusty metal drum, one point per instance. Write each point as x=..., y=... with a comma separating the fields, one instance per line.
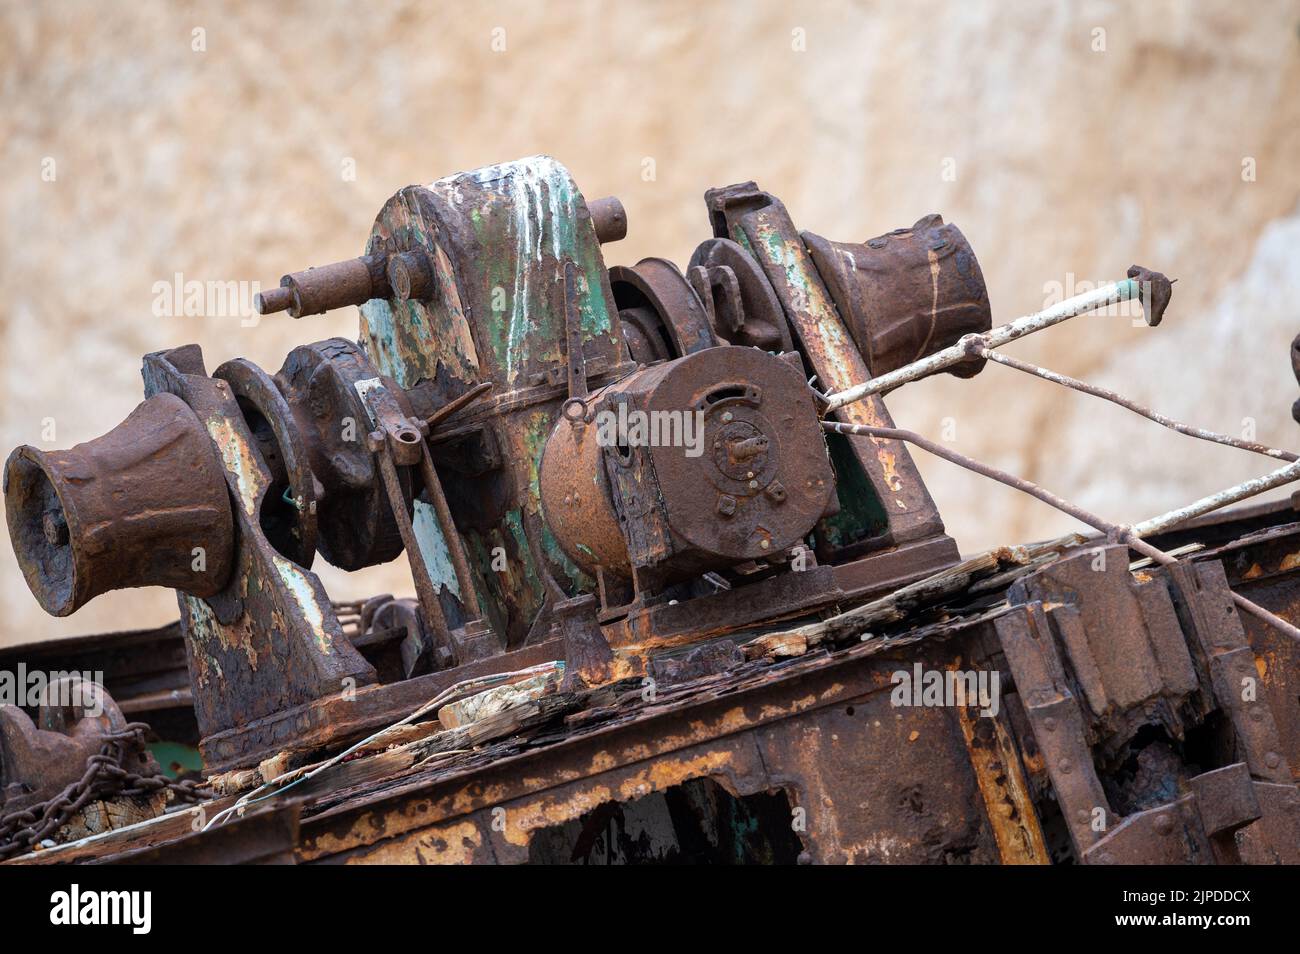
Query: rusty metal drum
x=700, y=463
x=144, y=505
x=908, y=293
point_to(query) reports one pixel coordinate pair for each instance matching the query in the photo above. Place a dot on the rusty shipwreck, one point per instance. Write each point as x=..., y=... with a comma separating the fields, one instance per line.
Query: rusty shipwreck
x=672, y=560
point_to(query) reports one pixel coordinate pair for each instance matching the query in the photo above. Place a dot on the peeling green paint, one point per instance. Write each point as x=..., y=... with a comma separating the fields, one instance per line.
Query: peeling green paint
x=528, y=227
x=861, y=515
x=202, y=634
x=536, y=431
x=434, y=549
x=551, y=547
x=411, y=340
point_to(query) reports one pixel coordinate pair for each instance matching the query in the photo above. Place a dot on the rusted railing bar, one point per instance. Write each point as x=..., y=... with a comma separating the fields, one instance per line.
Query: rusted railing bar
x=1126, y=535
x=1241, y=491
x=1128, y=404
x=1109, y=294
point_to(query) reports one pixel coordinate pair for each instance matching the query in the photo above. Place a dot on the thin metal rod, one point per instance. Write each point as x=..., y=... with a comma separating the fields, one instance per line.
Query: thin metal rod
x=455, y=404
x=1127, y=535
x=1128, y=404
x=1248, y=488
x=451, y=536
x=1110, y=294
x=984, y=470
x=425, y=591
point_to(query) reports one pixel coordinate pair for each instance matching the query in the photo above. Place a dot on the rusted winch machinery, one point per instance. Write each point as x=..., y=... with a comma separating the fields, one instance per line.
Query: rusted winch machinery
x=580, y=462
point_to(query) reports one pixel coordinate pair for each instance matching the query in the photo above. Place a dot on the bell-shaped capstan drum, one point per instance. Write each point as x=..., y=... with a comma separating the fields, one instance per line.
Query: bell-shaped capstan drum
x=144, y=505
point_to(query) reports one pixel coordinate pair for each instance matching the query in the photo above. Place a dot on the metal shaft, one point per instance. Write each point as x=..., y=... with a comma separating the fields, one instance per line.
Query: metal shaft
x=425, y=589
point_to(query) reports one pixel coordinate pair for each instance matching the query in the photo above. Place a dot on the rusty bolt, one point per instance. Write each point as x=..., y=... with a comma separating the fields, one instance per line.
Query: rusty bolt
x=410, y=275
x=775, y=492
x=739, y=450
x=726, y=505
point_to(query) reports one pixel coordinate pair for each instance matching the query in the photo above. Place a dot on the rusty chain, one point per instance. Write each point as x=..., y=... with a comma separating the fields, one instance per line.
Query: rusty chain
x=105, y=777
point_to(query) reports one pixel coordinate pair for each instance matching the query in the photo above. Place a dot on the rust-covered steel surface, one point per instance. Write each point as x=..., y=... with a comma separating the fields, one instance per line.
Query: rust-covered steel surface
x=131, y=508
x=1082, y=762
x=753, y=485
x=906, y=292
x=663, y=610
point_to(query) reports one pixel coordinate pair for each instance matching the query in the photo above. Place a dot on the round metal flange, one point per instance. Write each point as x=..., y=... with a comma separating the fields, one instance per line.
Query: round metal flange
x=356, y=524
x=288, y=516
x=764, y=324
x=645, y=335
x=759, y=478
x=656, y=282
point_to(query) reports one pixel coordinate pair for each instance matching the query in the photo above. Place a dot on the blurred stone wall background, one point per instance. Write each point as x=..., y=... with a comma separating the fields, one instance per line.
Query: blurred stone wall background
x=1068, y=140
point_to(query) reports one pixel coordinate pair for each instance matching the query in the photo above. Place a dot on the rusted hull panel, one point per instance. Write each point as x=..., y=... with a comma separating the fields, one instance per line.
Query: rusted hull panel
x=813, y=731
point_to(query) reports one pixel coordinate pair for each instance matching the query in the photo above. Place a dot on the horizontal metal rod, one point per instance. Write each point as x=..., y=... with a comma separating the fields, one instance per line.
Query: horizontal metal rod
x=1110, y=294
x=1126, y=535
x=1129, y=404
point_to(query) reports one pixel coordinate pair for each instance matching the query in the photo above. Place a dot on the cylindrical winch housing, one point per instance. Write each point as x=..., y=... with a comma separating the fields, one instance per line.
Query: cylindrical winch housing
x=696, y=464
